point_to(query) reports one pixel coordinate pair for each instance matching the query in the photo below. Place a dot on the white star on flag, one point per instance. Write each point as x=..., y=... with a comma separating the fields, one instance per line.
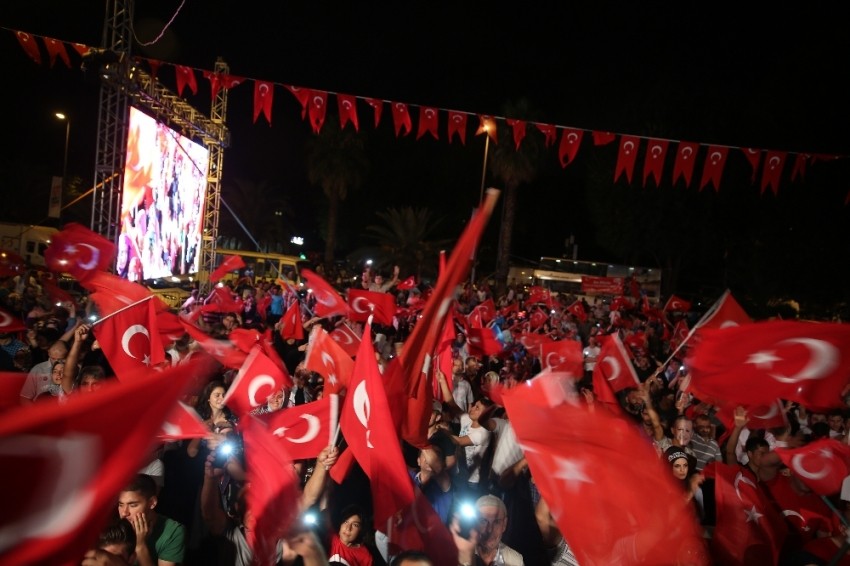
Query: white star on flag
x=763, y=360
x=753, y=516
x=571, y=471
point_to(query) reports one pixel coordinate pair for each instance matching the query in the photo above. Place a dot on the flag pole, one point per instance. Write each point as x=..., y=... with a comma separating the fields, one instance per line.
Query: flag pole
x=121, y=310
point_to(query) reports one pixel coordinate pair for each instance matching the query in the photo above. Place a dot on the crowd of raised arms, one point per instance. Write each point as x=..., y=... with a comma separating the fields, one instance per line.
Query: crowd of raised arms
x=187, y=505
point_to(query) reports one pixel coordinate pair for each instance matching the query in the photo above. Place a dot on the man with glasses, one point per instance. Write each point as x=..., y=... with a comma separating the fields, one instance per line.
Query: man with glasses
x=488, y=550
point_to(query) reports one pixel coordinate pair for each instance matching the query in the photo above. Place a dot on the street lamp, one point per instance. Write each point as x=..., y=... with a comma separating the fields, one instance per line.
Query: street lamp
x=67, y=121
x=486, y=127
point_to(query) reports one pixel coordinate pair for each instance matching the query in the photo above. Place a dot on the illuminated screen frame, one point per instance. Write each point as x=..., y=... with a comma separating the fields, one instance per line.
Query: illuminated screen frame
x=162, y=204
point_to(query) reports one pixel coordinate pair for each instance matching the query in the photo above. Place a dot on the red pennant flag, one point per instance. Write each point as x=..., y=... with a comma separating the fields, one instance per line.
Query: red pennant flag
x=754, y=157
x=518, y=127
x=563, y=356
x=629, y=146
x=725, y=312
x=368, y=428
x=130, y=339
x=757, y=363
x=305, y=429
x=222, y=351
x=273, y=492
x=774, y=162
x=10, y=323
x=302, y=95
x=318, y=109
x=457, y=125
x=570, y=142
x=487, y=125
x=712, y=170
x=263, y=98
x=749, y=528
x=483, y=342
x=577, y=310
x=78, y=251
x=30, y=46
x=292, y=326
x=328, y=301
x=677, y=304
x=427, y=122
x=401, y=118
x=11, y=383
x=80, y=48
x=799, y=167
x=378, y=106
x=686, y=156
x=327, y=358
x=56, y=48
x=98, y=444
x=258, y=379
x=550, y=133
x=656, y=152
x=347, y=105
x=407, y=284
x=364, y=303
x=347, y=339
x=822, y=464
x=231, y=263
x=614, y=367
x=603, y=138
x=185, y=77
x=600, y=463
x=182, y=423
x=221, y=80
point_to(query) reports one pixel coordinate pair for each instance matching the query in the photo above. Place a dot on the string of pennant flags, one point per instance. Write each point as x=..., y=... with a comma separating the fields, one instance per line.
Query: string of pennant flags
x=770, y=164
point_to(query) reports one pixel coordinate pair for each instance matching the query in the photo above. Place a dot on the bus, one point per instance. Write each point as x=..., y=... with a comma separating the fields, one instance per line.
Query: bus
x=268, y=266
x=593, y=278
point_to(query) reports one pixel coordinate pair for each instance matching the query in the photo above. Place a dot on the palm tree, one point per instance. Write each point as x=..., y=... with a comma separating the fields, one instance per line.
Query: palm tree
x=406, y=237
x=337, y=162
x=513, y=168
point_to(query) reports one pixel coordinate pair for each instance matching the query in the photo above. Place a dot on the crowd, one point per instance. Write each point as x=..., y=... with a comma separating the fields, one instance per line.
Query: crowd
x=187, y=505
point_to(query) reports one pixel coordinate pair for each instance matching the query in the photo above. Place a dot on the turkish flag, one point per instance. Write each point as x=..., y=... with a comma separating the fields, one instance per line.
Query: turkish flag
x=656, y=152
x=418, y=527
x=443, y=358
x=231, y=263
x=11, y=383
x=302, y=95
x=170, y=327
x=632, y=510
x=686, y=155
x=577, y=310
x=533, y=340
x=10, y=323
x=725, y=312
x=291, y=325
x=263, y=98
x=364, y=303
x=759, y=362
x=519, y=128
x=368, y=428
x=750, y=530
x=799, y=167
x=74, y=458
x=244, y=338
x=56, y=48
x=537, y=318
x=266, y=342
x=487, y=310
x=78, y=251
x=328, y=301
x=570, y=142
x=318, y=109
x=29, y=45
x=427, y=122
x=677, y=304
x=327, y=358
x=537, y=294
x=483, y=342
x=621, y=303
x=130, y=339
x=407, y=284
x=273, y=493
x=401, y=118
x=347, y=105
x=222, y=351
x=421, y=344
x=474, y=319
x=111, y=293
x=754, y=157
x=805, y=512
x=457, y=125
x=305, y=429
x=185, y=77
x=821, y=464
x=603, y=138
x=629, y=146
x=222, y=299
x=774, y=162
x=563, y=356
x=712, y=170
x=549, y=131
x=378, y=106
x=347, y=339
x=614, y=366
x=771, y=415
x=258, y=379
x=181, y=423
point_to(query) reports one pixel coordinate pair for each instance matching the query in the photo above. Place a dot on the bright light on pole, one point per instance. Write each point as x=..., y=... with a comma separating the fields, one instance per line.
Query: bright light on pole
x=481, y=192
x=67, y=121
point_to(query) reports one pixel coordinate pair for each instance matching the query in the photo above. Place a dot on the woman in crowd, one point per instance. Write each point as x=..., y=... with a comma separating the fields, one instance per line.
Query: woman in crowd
x=683, y=468
x=349, y=542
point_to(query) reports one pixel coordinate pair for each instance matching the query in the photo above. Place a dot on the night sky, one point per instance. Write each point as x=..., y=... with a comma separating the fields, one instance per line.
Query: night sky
x=763, y=76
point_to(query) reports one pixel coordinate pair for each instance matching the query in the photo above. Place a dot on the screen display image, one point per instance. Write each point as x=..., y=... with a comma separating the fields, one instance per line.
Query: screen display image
x=165, y=184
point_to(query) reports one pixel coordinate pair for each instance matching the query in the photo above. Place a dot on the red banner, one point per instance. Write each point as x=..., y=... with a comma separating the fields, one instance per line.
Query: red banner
x=602, y=285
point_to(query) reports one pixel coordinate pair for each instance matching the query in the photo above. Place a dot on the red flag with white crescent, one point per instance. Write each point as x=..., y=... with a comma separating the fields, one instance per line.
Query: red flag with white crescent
x=686, y=155
x=364, y=303
x=457, y=125
x=305, y=429
x=725, y=312
x=185, y=77
x=258, y=379
x=821, y=465
x=712, y=170
x=29, y=45
x=318, y=110
x=347, y=105
x=78, y=251
x=378, y=106
x=570, y=142
x=130, y=339
x=347, y=339
x=302, y=95
x=754, y=157
x=629, y=146
x=549, y=131
x=428, y=122
x=613, y=365
x=563, y=356
x=222, y=351
x=327, y=358
x=328, y=301
x=263, y=98
x=291, y=325
x=401, y=118
x=182, y=423
x=518, y=127
x=774, y=162
x=56, y=48
x=656, y=151
x=10, y=323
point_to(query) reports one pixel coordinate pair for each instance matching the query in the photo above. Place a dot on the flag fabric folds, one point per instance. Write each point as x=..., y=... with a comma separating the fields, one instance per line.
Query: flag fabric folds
x=232, y=263
x=327, y=358
x=258, y=379
x=305, y=429
x=78, y=251
x=130, y=338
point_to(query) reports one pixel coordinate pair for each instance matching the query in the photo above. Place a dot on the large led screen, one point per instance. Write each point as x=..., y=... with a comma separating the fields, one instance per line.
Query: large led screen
x=165, y=184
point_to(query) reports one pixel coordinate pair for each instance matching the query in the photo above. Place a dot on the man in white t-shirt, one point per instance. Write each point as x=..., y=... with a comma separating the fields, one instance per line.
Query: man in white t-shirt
x=475, y=439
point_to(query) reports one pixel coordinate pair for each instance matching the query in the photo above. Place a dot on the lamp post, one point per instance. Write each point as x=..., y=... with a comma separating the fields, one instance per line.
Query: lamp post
x=481, y=194
x=67, y=121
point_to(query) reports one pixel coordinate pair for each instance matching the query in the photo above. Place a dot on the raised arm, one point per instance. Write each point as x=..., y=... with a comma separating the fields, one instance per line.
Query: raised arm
x=81, y=333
